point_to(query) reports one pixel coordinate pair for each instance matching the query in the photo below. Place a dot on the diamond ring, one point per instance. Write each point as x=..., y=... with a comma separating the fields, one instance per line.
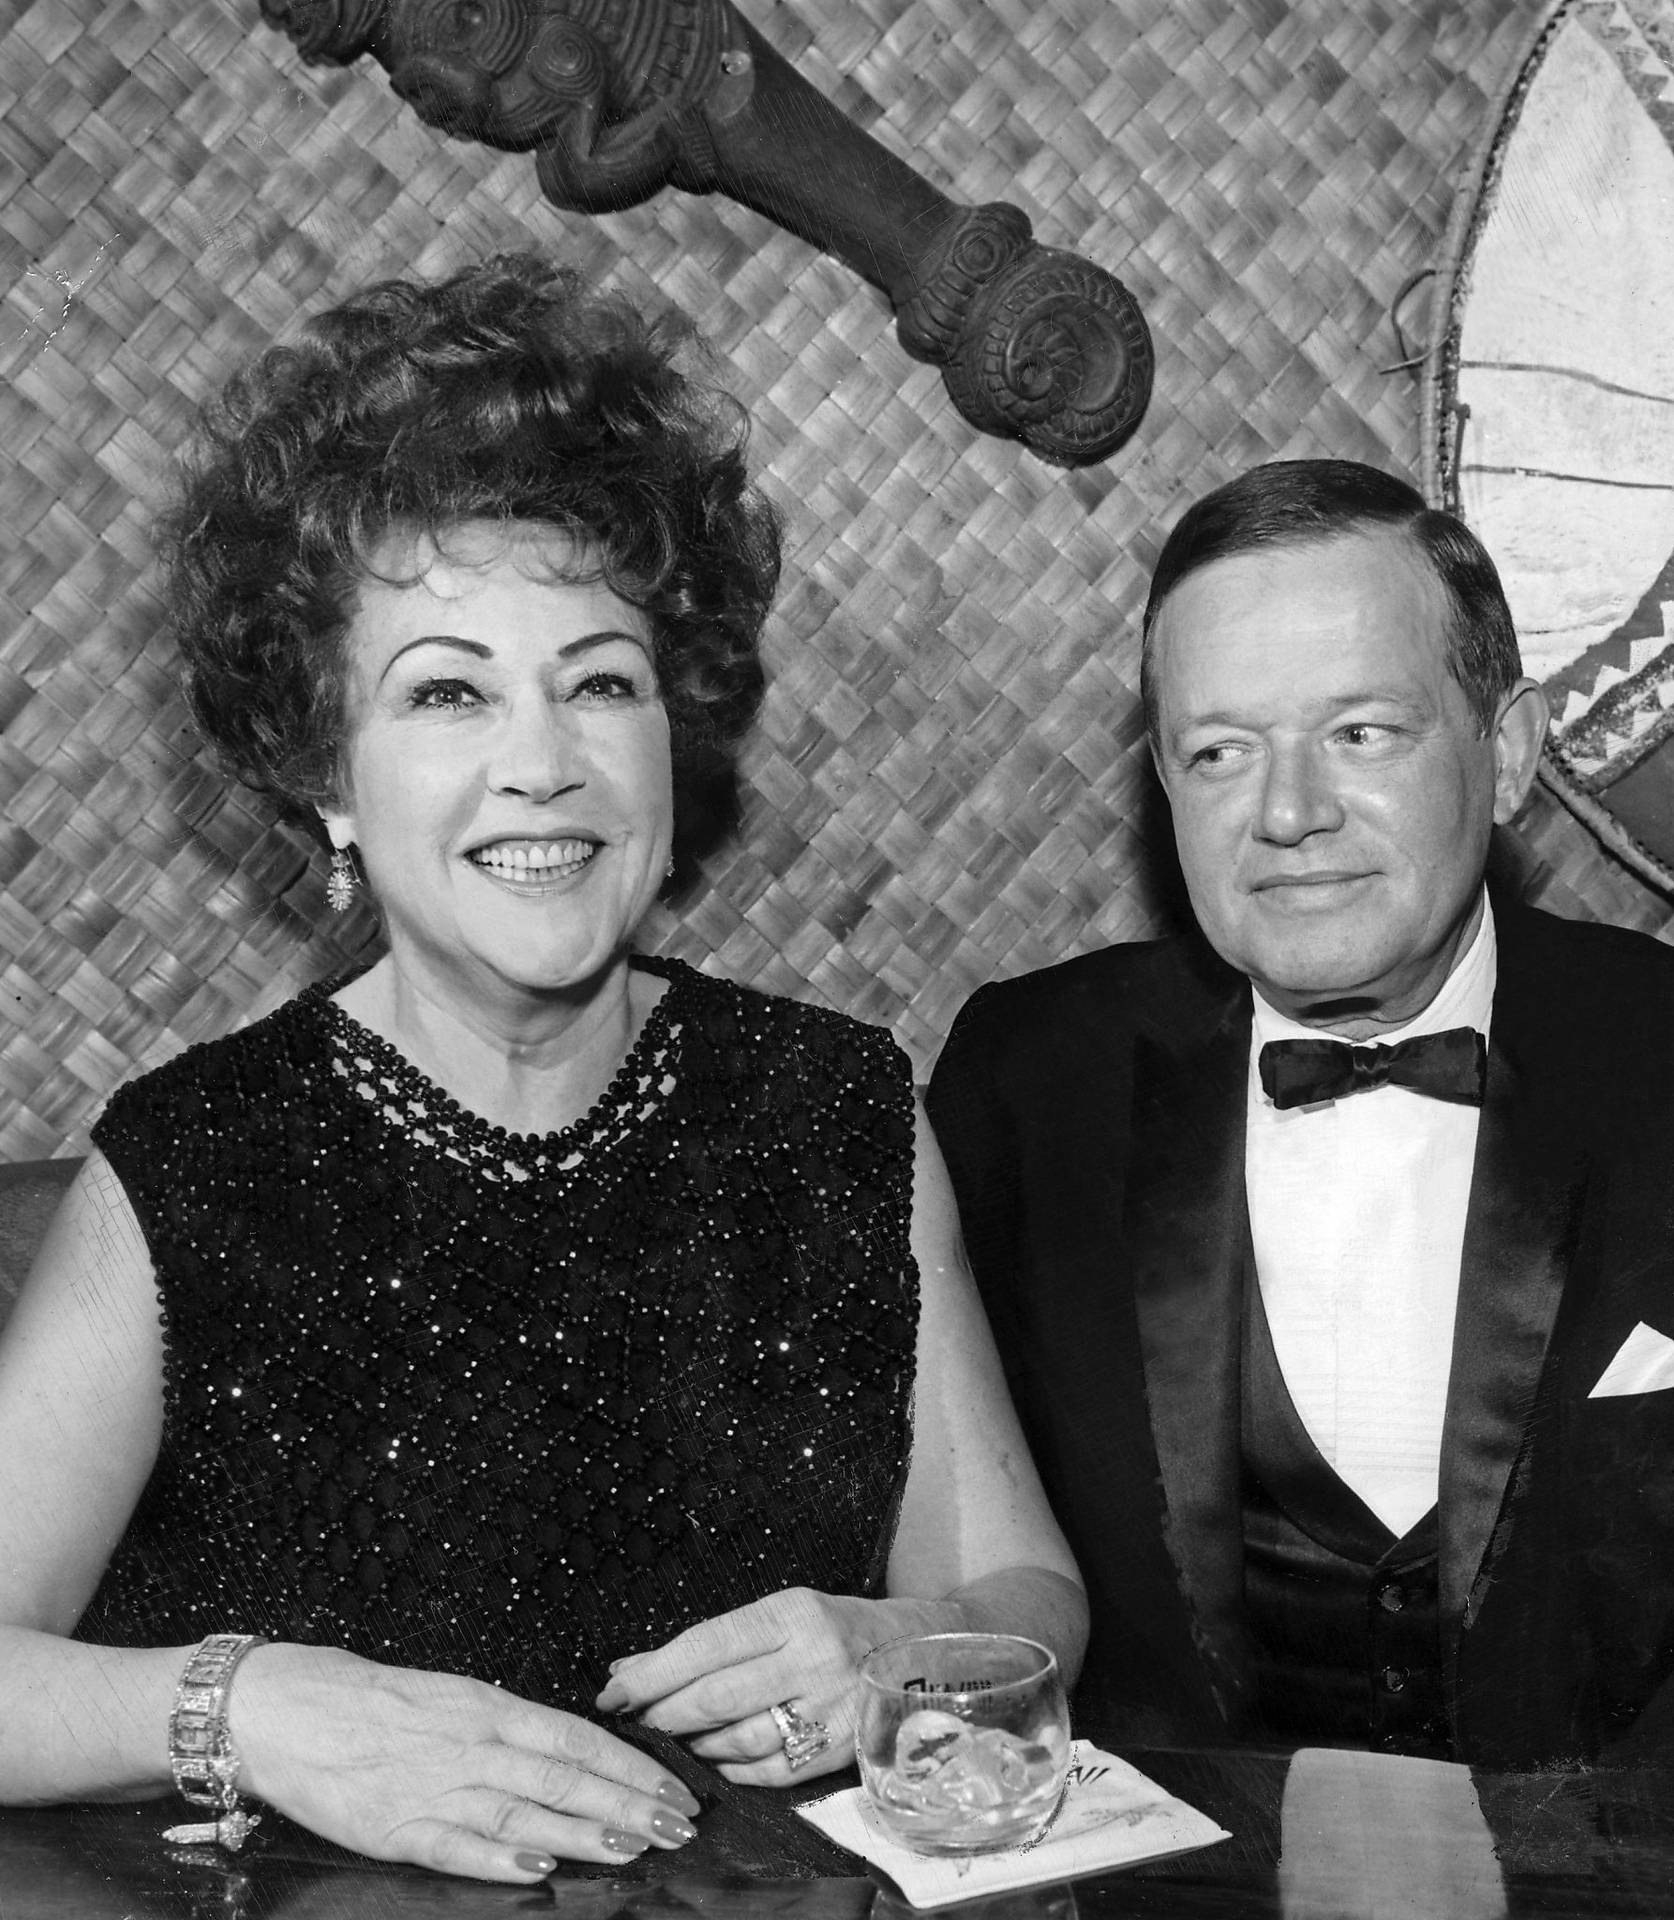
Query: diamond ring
x=804, y=1739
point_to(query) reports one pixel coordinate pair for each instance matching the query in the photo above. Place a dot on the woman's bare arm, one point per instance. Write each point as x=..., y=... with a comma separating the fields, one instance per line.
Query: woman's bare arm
x=81, y=1413
x=975, y=1530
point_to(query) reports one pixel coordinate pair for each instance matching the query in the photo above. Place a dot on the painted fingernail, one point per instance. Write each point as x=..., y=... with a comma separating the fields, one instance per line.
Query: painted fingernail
x=682, y=1799
x=535, y=1862
x=620, y=1842
x=613, y=1699
x=671, y=1827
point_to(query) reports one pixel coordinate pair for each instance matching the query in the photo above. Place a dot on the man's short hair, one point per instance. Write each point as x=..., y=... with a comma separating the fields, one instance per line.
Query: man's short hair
x=1297, y=503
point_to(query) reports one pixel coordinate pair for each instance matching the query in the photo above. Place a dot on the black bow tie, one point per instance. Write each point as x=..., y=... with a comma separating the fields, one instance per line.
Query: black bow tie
x=1447, y=1066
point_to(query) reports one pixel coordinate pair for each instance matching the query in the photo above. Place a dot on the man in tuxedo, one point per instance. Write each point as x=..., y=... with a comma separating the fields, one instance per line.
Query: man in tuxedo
x=1330, y=1246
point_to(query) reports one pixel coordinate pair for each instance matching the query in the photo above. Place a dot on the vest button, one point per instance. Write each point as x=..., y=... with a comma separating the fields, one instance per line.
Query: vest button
x=1394, y=1679
x=1391, y=1598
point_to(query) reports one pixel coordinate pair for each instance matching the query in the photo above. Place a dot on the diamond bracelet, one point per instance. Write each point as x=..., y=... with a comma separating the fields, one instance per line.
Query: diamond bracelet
x=201, y=1755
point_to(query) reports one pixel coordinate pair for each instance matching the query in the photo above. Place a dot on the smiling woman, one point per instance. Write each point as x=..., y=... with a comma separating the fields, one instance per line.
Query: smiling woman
x=507, y=788
x=546, y=1330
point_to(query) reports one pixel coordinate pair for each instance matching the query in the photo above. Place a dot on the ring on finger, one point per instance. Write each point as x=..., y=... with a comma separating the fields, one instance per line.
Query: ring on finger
x=803, y=1739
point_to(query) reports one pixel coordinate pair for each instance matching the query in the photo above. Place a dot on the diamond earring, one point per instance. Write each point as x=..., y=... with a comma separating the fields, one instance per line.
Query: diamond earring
x=341, y=881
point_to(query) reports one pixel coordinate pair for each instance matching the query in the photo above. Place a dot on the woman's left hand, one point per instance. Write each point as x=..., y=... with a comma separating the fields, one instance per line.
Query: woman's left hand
x=715, y=1684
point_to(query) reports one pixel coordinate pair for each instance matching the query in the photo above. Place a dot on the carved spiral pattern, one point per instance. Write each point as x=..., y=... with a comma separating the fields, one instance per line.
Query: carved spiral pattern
x=1035, y=344
x=963, y=260
x=489, y=35
x=564, y=67
x=326, y=31
x=445, y=56
x=566, y=62
x=1055, y=353
x=513, y=74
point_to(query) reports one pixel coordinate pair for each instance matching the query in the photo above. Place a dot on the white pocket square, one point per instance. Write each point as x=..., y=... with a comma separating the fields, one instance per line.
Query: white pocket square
x=1645, y=1364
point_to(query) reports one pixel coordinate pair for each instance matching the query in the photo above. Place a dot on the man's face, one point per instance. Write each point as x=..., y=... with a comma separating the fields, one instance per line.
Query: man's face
x=1332, y=792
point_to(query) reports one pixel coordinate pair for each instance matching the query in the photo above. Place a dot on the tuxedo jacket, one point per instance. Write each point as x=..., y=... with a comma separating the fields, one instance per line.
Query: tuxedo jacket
x=1093, y=1120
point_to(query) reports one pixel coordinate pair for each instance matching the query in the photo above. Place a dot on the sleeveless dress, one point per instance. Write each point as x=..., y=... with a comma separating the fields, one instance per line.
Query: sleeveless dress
x=511, y=1405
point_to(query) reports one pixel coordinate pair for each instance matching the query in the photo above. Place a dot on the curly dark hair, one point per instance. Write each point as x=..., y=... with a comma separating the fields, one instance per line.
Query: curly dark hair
x=508, y=393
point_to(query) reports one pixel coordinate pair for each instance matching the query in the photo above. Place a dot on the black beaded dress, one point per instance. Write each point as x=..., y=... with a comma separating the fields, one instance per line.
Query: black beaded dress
x=511, y=1405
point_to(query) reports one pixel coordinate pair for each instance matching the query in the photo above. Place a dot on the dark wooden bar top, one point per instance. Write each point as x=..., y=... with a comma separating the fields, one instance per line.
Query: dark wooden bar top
x=1316, y=1836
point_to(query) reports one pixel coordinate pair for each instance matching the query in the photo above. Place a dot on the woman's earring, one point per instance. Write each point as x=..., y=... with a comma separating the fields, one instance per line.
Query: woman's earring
x=341, y=882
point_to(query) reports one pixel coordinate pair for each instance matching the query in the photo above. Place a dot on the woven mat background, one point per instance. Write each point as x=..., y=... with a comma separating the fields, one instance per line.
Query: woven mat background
x=950, y=780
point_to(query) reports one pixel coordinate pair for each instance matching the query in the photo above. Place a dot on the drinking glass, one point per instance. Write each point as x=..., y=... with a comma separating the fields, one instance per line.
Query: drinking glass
x=963, y=1739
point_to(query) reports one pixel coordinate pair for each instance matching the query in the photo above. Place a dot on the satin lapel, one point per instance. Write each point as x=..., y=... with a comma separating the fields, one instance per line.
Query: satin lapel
x=1527, y=1188
x=1187, y=1233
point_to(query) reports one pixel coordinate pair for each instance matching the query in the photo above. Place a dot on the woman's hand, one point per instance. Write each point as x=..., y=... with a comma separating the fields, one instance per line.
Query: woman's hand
x=442, y=1771
x=716, y=1683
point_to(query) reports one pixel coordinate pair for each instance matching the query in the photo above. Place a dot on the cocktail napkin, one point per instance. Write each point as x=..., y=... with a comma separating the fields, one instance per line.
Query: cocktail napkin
x=1110, y=1816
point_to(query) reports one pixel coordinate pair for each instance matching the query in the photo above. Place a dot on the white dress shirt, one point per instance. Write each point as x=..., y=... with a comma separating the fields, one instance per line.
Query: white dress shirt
x=1357, y=1212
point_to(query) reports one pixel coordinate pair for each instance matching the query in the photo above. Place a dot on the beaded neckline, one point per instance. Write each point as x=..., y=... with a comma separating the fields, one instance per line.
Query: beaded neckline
x=409, y=1098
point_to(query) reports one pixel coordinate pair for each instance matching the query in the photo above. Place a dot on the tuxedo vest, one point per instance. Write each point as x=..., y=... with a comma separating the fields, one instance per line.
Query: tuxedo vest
x=1342, y=1615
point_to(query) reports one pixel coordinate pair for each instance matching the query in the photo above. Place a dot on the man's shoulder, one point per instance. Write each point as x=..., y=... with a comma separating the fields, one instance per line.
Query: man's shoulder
x=1172, y=983
x=1597, y=968
x=1585, y=1012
